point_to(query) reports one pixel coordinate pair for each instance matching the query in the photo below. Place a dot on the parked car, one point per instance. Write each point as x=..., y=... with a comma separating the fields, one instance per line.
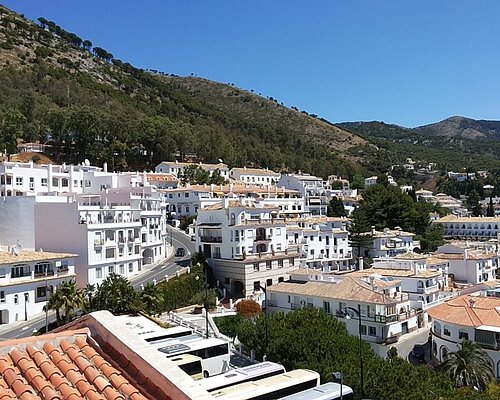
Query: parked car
x=418, y=352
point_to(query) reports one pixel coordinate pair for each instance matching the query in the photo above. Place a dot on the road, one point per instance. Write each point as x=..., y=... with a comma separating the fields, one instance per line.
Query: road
x=169, y=266
x=156, y=273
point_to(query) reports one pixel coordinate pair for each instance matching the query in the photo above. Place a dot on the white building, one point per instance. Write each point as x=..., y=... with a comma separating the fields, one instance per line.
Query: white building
x=115, y=232
x=186, y=201
x=386, y=313
x=323, y=242
x=27, y=278
x=246, y=244
x=389, y=243
x=470, y=227
x=163, y=181
x=467, y=264
x=474, y=317
x=426, y=284
x=175, y=168
x=312, y=189
x=370, y=181
x=255, y=176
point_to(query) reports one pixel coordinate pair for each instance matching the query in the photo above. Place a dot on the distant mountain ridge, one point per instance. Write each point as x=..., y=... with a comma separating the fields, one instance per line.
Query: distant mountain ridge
x=462, y=127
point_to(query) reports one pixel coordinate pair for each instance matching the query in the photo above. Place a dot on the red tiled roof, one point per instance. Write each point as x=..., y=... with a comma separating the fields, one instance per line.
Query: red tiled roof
x=67, y=365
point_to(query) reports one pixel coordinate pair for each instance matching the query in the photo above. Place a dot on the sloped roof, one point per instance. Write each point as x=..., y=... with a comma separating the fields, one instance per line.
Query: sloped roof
x=348, y=288
x=468, y=311
x=67, y=365
x=7, y=257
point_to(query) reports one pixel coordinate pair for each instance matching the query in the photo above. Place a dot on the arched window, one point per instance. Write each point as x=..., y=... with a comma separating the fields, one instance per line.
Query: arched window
x=437, y=328
x=233, y=219
x=260, y=234
x=420, y=284
x=20, y=270
x=43, y=268
x=444, y=353
x=16, y=299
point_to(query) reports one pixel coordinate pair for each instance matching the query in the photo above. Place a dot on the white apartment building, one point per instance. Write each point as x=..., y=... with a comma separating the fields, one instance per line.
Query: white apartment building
x=425, y=195
x=175, y=168
x=246, y=244
x=27, y=278
x=312, y=189
x=424, y=283
x=186, y=201
x=386, y=312
x=115, y=232
x=467, y=264
x=470, y=227
x=323, y=242
x=474, y=317
x=255, y=176
x=389, y=243
x=163, y=181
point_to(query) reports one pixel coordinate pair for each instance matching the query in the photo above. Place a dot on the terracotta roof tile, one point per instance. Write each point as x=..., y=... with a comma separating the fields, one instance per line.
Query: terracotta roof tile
x=68, y=366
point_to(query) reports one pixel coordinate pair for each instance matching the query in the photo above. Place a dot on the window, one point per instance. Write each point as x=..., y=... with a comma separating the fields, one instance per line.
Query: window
x=111, y=269
x=256, y=266
x=186, y=194
x=41, y=291
x=227, y=281
x=65, y=182
x=122, y=269
x=269, y=282
x=446, y=331
x=363, y=329
x=268, y=264
x=372, y=331
x=291, y=262
x=326, y=307
x=19, y=180
x=110, y=253
x=16, y=299
x=98, y=272
x=2, y=272
x=463, y=335
x=280, y=279
x=2, y=296
x=280, y=263
x=20, y=270
x=130, y=267
x=256, y=285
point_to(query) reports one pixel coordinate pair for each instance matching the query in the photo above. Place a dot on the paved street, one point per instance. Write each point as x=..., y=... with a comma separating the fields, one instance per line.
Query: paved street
x=150, y=273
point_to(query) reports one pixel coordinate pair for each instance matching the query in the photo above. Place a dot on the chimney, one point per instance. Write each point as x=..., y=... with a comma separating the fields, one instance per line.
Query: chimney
x=372, y=230
x=360, y=263
x=105, y=167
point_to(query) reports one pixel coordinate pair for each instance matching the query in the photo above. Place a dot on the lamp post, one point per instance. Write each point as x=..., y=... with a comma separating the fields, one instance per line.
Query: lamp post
x=264, y=289
x=205, y=284
x=347, y=316
x=338, y=377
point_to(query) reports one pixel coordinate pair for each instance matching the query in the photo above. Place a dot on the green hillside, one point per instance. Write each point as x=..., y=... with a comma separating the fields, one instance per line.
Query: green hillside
x=58, y=87
x=395, y=143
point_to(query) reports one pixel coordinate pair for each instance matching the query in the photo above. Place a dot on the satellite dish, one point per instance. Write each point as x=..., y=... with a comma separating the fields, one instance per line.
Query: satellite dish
x=16, y=250
x=87, y=162
x=220, y=160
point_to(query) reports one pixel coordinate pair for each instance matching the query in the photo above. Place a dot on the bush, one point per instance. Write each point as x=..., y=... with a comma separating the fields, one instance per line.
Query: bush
x=248, y=308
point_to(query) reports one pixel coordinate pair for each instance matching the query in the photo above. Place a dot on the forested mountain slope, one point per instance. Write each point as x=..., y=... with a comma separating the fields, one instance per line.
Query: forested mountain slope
x=59, y=87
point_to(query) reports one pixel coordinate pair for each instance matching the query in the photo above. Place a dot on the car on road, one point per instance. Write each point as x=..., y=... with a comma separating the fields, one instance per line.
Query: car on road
x=418, y=352
x=180, y=252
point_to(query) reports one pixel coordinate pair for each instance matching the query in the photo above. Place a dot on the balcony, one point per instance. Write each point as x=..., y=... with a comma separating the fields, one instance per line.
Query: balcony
x=262, y=238
x=42, y=274
x=262, y=221
x=98, y=242
x=211, y=239
x=291, y=251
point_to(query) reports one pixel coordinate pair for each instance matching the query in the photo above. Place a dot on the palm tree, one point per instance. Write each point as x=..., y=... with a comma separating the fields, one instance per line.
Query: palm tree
x=116, y=295
x=67, y=297
x=469, y=366
x=152, y=298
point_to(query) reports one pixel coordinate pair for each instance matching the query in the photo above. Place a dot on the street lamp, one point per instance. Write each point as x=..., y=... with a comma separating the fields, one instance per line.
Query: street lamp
x=347, y=316
x=205, y=283
x=264, y=289
x=338, y=377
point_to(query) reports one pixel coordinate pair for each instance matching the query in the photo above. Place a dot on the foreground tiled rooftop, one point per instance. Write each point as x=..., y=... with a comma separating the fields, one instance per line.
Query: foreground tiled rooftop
x=67, y=365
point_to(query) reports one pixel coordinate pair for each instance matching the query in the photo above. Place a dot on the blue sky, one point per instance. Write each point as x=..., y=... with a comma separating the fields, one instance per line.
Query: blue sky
x=402, y=62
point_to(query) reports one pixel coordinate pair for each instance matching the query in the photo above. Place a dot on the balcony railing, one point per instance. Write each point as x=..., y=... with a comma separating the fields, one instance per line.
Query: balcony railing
x=211, y=239
x=292, y=252
x=262, y=238
x=262, y=221
x=44, y=273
